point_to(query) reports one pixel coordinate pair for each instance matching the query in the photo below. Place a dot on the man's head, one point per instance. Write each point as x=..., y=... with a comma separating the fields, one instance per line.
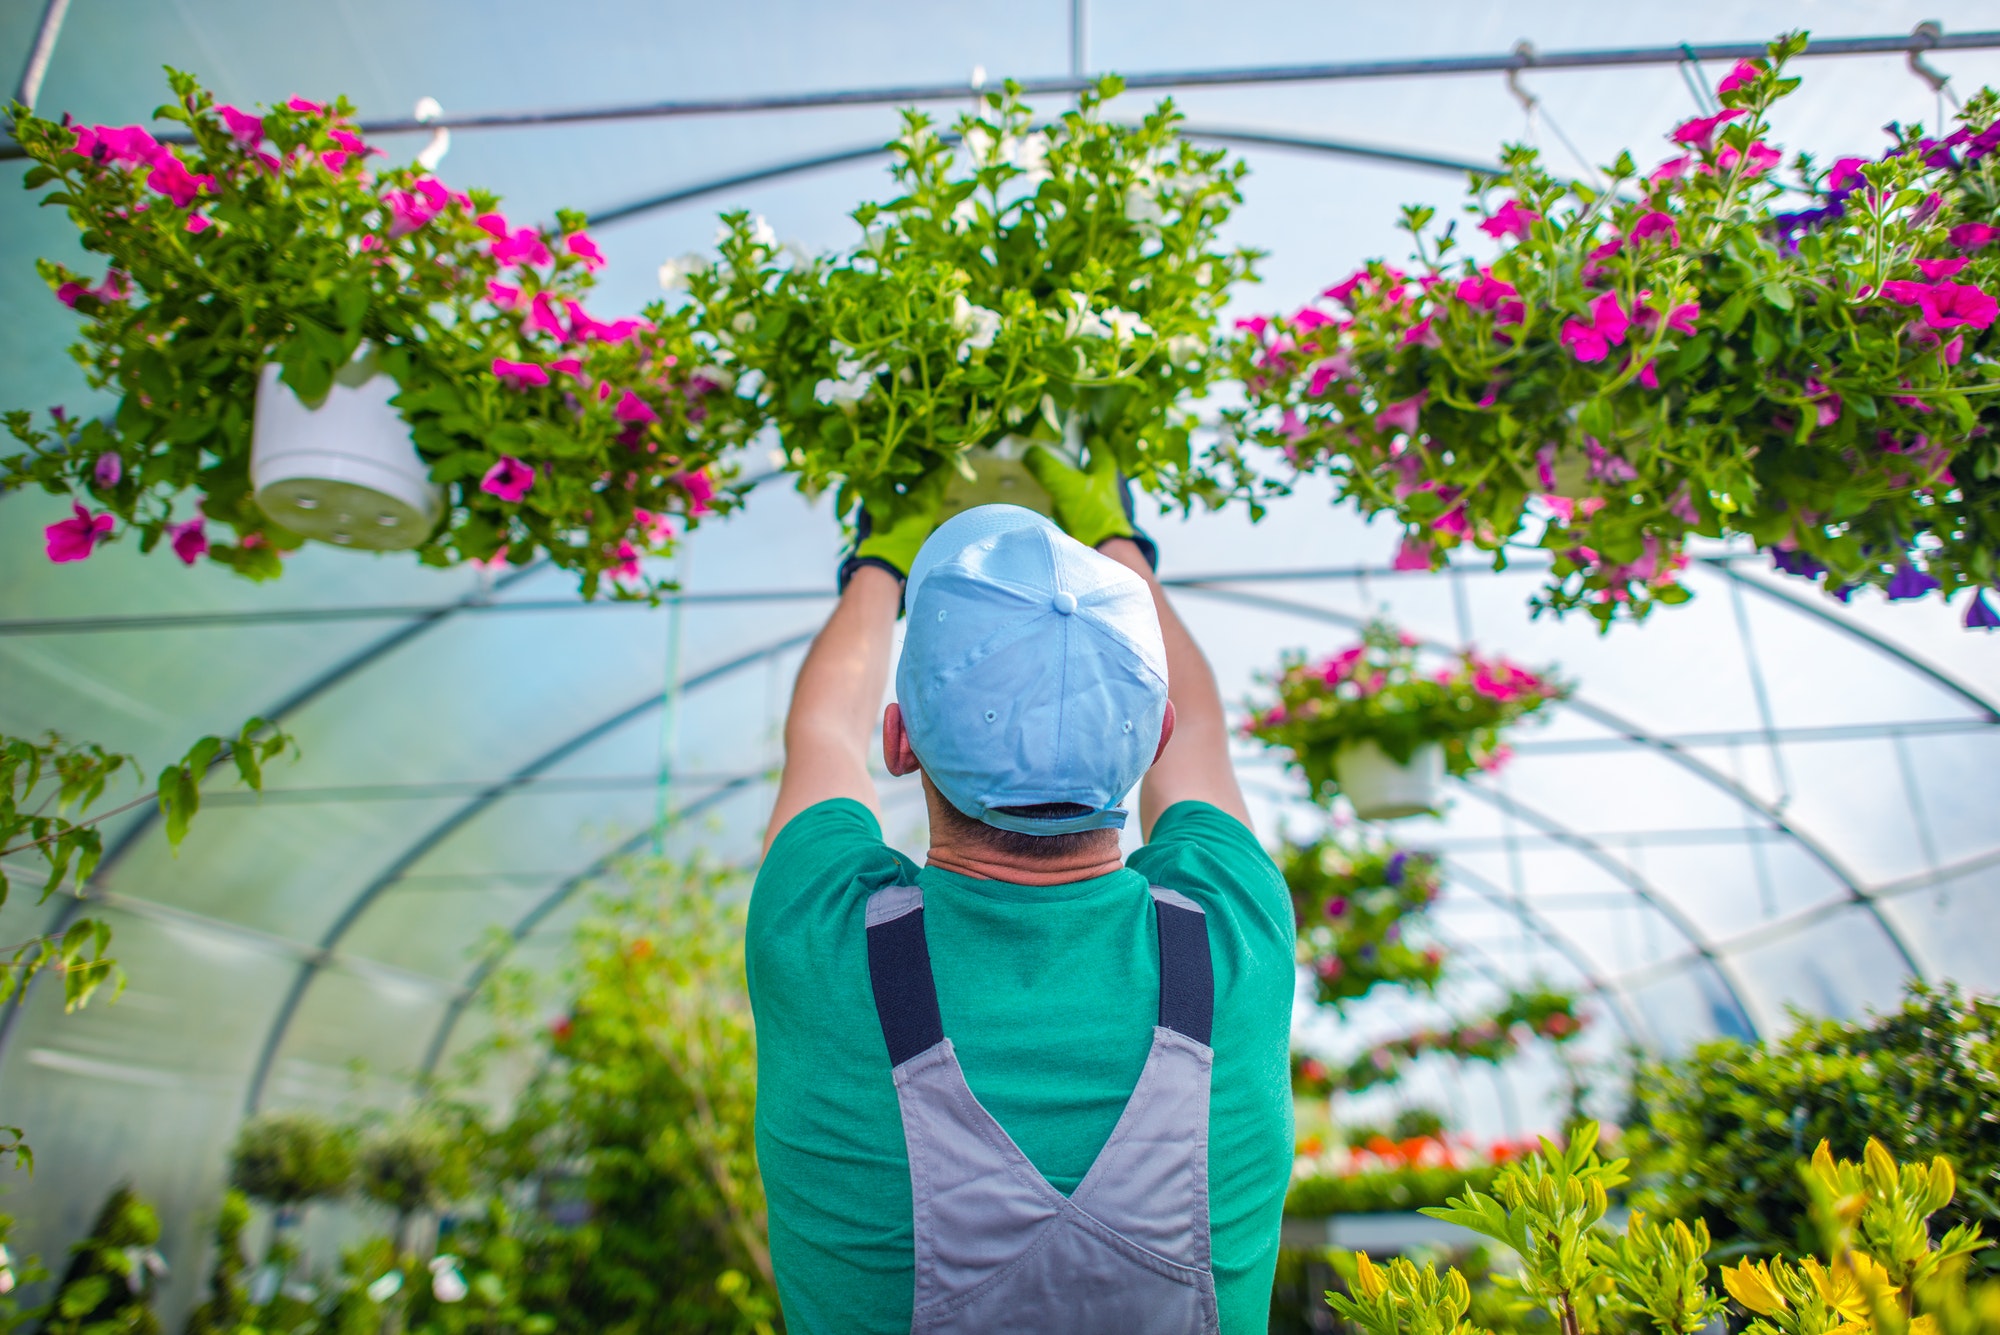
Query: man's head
x=1032, y=688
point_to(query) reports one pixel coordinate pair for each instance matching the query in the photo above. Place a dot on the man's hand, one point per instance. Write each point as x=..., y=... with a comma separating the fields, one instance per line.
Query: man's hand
x=891, y=541
x=1093, y=503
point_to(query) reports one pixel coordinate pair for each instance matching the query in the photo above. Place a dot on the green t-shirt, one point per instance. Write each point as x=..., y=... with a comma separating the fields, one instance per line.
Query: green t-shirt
x=1049, y=995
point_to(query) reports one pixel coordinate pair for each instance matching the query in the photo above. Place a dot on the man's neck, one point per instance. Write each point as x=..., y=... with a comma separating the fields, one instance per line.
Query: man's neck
x=987, y=864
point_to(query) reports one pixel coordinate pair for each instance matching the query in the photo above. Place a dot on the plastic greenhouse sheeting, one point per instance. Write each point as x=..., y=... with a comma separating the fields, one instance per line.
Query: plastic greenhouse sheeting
x=1760, y=800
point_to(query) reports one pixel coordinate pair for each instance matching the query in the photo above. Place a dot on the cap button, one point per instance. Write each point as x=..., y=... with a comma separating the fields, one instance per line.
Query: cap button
x=1065, y=602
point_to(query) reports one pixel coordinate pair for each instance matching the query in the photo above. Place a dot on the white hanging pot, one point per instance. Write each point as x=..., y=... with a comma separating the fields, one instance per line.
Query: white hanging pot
x=346, y=471
x=999, y=477
x=1380, y=789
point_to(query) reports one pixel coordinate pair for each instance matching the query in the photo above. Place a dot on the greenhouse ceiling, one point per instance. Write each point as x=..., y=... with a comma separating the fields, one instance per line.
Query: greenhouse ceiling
x=1764, y=799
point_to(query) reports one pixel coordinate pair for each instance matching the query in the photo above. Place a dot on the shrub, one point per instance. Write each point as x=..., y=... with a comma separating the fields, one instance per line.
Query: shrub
x=287, y=1159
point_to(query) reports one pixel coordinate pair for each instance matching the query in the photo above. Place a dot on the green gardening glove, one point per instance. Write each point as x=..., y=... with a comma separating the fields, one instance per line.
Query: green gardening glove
x=891, y=541
x=1094, y=503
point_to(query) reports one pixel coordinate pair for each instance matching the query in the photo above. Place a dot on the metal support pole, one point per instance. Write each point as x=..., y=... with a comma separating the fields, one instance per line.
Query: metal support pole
x=41, y=52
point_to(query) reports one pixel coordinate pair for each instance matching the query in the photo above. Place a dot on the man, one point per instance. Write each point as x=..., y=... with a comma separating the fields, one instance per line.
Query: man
x=1027, y=1086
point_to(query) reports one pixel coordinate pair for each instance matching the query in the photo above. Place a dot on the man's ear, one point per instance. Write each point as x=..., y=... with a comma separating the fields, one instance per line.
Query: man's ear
x=896, y=752
x=1166, y=731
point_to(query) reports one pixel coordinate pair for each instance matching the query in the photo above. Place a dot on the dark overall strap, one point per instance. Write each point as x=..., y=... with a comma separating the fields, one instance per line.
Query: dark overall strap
x=1187, y=975
x=899, y=967
x=899, y=970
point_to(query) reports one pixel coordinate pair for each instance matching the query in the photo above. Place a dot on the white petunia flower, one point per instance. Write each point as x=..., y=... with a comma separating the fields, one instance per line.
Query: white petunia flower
x=1142, y=206
x=852, y=380
x=763, y=234
x=976, y=323
x=1183, y=348
x=674, y=273
x=386, y=1287
x=979, y=144
x=964, y=215
x=447, y=1284
x=1083, y=322
x=1124, y=325
x=1028, y=152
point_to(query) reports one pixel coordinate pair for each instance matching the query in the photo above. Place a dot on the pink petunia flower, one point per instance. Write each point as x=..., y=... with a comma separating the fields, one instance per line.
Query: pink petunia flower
x=170, y=177
x=1827, y=402
x=1681, y=506
x=700, y=489
x=1511, y=220
x=1308, y=318
x=75, y=538
x=190, y=539
x=1649, y=375
x=519, y=375
x=1654, y=224
x=1343, y=291
x=1936, y=269
x=544, y=318
x=197, y=223
x=1326, y=371
x=1973, y=236
x=108, y=469
x=301, y=105
x=501, y=295
x=1402, y=414
x=1411, y=554
x=509, y=479
x=1745, y=72
x=1845, y=174
x=581, y=246
x=248, y=130
x=1759, y=158
x=1904, y=291
x=627, y=570
x=1584, y=342
x=632, y=408
x=1700, y=132
x=1948, y=305
x=352, y=142
x=1420, y=332
x=570, y=366
x=657, y=530
x=1671, y=170
x=334, y=160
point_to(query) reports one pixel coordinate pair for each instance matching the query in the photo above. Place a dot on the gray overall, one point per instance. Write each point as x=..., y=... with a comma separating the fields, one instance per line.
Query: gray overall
x=998, y=1248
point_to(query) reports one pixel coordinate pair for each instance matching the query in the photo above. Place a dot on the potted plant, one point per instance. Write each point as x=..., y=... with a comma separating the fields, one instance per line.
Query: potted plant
x=1366, y=723
x=1539, y=1012
x=1355, y=901
x=1053, y=285
x=304, y=346
x=1706, y=349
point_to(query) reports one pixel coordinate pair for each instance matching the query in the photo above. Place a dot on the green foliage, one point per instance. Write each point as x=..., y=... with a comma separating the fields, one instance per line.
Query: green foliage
x=1714, y=1133
x=227, y=1307
x=305, y=259
x=109, y=1286
x=1540, y=1013
x=1375, y=692
x=46, y=790
x=1355, y=903
x=288, y=1159
x=14, y=1272
x=419, y=1163
x=1383, y=1192
x=1056, y=283
x=1403, y=1298
x=1673, y=356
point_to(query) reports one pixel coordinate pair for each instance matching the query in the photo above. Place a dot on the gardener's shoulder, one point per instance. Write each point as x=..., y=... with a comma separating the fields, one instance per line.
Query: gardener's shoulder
x=1208, y=854
x=822, y=867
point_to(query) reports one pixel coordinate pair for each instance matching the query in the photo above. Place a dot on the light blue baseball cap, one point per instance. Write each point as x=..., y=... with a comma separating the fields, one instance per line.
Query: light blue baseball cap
x=1032, y=672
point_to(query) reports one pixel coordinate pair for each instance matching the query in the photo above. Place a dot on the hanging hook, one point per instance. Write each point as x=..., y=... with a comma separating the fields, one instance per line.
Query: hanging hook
x=1930, y=31
x=427, y=109
x=1696, y=80
x=1524, y=51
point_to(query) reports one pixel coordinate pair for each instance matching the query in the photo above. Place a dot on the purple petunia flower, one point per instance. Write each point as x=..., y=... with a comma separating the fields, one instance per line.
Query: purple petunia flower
x=1394, y=873
x=1979, y=615
x=1795, y=562
x=1909, y=582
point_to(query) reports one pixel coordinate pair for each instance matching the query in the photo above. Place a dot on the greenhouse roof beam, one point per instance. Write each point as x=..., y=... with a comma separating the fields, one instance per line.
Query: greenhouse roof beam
x=1159, y=80
x=441, y=831
x=72, y=907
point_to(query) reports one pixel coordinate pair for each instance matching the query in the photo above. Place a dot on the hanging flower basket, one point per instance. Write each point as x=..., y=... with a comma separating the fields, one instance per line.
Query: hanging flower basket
x=345, y=470
x=1028, y=284
x=1380, y=787
x=1362, y=912
x=1718, y=348
x=1367, y=717
x=306, y=347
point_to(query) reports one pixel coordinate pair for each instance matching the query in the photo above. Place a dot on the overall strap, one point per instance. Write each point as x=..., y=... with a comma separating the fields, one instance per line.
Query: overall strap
x=1187, y=975
x=899, y=968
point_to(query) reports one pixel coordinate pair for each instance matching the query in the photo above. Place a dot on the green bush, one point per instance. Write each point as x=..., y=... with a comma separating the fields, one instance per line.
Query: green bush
x=1717, y=1134
x=109, y=1286
x=287, y=1159
x=1377, y=1193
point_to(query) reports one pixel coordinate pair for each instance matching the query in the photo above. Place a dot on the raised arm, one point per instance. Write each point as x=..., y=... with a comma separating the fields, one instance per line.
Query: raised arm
x=836, y=699
x=1195, y=766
